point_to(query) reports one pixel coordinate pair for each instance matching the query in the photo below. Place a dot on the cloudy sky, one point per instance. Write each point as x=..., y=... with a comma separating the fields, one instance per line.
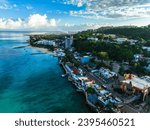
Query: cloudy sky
x=72, y=15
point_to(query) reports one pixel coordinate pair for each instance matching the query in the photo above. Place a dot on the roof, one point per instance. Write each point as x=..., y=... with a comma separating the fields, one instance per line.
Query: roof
x=107, y=73
x=140, y=83
x=83, y=78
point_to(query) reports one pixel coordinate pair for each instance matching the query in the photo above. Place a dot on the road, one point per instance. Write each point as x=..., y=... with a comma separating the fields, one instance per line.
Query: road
x=126, y=108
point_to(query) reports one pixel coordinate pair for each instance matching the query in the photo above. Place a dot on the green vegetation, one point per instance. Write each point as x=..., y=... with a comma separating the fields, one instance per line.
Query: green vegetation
x=34, y=38
x=139, y=69
x=103, y=55
x=49, y=47
x=70, y=58
x=139, y=33
x=90, y=90
x=104, y=51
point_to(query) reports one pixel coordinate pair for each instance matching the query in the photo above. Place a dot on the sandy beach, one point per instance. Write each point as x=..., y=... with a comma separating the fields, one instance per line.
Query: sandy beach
x=44, y=50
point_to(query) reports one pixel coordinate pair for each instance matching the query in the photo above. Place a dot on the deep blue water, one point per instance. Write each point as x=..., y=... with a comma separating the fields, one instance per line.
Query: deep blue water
x=33, y=83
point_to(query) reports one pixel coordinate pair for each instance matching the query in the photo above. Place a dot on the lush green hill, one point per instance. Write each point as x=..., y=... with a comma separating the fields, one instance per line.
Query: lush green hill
x=128, y=31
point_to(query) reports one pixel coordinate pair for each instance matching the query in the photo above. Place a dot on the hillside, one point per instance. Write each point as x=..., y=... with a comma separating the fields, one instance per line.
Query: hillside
x=128, y=31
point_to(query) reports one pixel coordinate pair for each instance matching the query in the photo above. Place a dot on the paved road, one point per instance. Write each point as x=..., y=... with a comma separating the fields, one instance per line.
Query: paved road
x=126, y=108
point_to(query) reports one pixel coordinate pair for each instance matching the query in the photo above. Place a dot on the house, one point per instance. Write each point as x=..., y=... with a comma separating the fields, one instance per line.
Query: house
x=85, y=59
x=106, y=73
x=121, y=40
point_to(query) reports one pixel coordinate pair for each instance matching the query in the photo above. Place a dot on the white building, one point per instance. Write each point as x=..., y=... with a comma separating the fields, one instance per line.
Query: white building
x=146, y=48
x=92, y=39
x=106, y=73
x=132, y=41
x=46, y=42
x=137, y=82
x=68, y=42
x=110, y=35
x=121, y=40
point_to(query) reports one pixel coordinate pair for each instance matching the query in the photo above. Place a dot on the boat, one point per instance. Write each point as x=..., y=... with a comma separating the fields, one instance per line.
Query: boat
x=63, y=75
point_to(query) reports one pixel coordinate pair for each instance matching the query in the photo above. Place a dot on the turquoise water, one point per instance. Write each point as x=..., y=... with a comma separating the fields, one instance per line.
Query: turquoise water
x=33, y=83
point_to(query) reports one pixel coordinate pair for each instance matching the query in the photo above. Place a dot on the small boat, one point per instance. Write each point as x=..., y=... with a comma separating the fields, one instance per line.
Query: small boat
x=63, y=75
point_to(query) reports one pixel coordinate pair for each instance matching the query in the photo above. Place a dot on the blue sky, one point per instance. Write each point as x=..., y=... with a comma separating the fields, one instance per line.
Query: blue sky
x=72, y=15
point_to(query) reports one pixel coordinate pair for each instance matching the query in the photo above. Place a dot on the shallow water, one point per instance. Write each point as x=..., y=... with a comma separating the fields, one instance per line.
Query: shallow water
x=33, y=83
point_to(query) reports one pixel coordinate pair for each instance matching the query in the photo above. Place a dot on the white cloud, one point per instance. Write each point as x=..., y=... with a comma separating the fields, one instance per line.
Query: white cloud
x=11, y=24
x=97, y=9
x=35, y=21
x=4, y=4
x=41, y=21
x=78, y=3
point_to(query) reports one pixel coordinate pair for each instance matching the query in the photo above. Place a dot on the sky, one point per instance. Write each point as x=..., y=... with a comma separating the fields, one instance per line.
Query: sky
x=72, y=15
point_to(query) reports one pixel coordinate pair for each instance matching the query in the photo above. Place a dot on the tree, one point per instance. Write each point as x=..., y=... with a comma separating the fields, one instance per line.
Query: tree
x=100, y=37
x=90, y=90
x=103, y=55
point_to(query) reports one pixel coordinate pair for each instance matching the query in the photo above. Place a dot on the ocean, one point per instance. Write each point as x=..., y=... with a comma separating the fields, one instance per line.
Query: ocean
x=33, y=83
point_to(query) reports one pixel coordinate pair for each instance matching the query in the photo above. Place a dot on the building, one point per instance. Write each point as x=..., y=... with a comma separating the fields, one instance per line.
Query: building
x=110, y=35
x=146, y=48
x=106, y=73
x=137, y=84
x=140, y=83
x=132, y=41
x=85, y=60
x=68, y=42
x=121, y=40
x=92, y=39
x=46, y=42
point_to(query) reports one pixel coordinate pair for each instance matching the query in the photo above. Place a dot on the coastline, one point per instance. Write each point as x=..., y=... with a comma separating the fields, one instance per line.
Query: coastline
x=92, y=106
x=44, y=50
x=32, y=87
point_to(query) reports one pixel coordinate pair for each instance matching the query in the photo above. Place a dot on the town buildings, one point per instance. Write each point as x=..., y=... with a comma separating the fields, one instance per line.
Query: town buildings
x=68, y=42
x=46, y=42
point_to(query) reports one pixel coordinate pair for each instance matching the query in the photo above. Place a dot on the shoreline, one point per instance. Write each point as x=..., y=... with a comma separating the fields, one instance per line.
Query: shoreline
x=92, y=106
x=44, y=50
